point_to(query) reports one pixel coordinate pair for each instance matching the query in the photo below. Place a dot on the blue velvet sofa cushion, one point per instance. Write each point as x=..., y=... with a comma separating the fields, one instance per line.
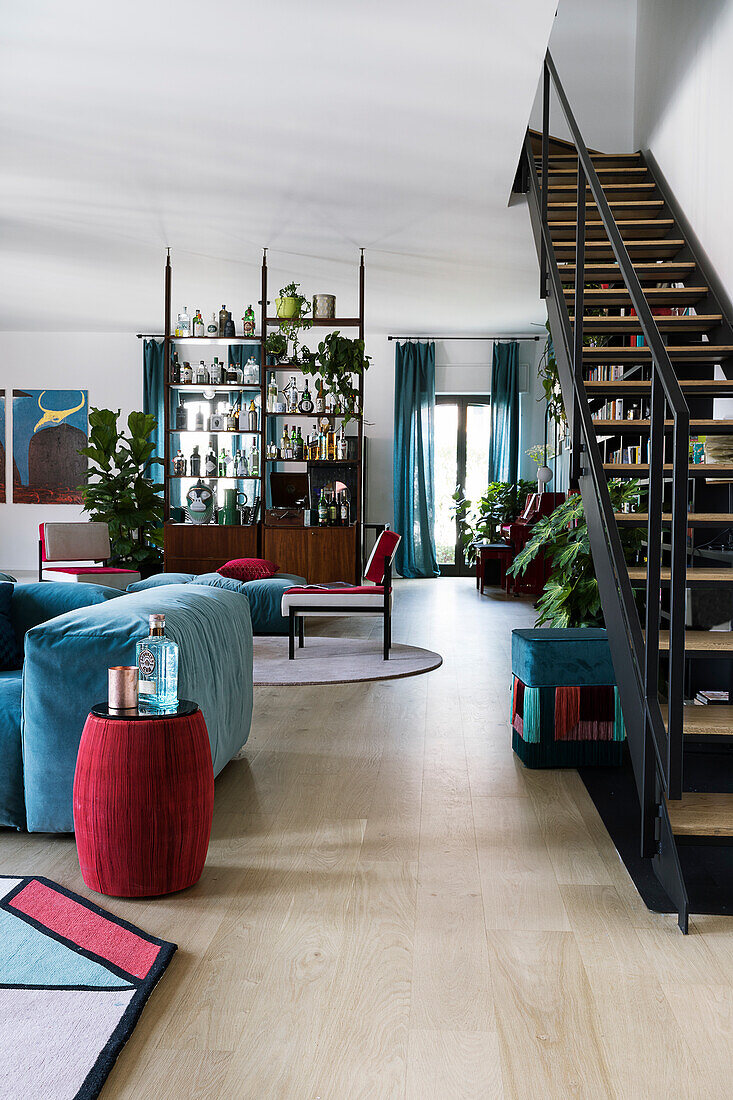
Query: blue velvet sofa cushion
x=35, y=603
x=65, y=673
x=575, y=657
x=11, y=651
x=264, y=596
x=12, y=806
x=158, y=579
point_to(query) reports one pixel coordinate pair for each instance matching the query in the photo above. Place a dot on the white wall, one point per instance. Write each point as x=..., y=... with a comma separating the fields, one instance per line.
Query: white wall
x=108, y=365
x=593, y=45
x=684, y=91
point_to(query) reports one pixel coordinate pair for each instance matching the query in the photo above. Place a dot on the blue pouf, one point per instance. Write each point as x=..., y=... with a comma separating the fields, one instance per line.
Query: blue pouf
x=565, y=706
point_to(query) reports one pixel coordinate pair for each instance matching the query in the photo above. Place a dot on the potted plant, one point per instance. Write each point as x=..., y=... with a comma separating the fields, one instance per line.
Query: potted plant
x=338, y=361
x=540, y=454
x=501, y=503
x=290, y=303
x=120, y=490
x=571, y=597
x=276, y=345
x=292, y=310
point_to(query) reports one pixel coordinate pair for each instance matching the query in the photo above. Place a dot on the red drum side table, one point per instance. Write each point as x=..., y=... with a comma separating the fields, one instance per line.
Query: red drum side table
x=143, y=800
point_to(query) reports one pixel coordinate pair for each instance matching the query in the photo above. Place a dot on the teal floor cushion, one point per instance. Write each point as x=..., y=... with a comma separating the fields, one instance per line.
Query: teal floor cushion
x=565, y=709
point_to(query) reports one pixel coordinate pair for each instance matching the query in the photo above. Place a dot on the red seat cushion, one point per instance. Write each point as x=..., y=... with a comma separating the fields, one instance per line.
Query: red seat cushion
x=349, y=590
x=248, y=569
x=79, y=569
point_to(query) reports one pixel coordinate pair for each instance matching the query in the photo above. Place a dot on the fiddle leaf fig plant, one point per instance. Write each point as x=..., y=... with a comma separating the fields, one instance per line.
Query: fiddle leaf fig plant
x=570, y=597
x=338, y=361
x=121, y=490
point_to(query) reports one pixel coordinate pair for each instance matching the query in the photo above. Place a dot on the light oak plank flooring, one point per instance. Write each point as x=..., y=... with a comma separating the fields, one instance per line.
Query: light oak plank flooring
x=393, y=907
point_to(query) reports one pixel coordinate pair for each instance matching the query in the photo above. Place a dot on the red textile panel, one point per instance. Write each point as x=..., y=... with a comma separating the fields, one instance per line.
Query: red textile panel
x=143, y=804
x=384, y=551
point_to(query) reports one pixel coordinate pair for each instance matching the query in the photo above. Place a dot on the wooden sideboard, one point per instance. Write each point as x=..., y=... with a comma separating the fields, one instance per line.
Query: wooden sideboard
x=189, y=548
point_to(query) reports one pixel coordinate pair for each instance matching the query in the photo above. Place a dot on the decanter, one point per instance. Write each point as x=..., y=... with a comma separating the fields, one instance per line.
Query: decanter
x=157, y=664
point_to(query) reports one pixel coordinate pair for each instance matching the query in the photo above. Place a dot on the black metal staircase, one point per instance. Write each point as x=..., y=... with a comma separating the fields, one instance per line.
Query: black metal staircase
x=605, y=219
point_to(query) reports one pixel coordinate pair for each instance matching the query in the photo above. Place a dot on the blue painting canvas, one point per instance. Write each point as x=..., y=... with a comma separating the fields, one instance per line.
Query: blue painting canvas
x=49, y=428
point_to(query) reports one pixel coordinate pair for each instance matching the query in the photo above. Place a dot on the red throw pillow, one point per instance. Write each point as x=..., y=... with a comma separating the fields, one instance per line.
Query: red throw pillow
x=248, y=569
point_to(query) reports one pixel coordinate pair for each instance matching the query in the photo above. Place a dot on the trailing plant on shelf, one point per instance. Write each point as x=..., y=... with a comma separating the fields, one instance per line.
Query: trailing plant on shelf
x=292, y=310
x=570, y=597
x=501, y=503
x=120, y=490
x=338, y=361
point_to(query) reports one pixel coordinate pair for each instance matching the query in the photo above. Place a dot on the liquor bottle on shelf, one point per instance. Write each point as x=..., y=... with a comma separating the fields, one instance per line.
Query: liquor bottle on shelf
x=229, y=329
x=232, y=418
x=212, y=329
x=175, y=370
x=181, y=416
x=251, y=417
x=344, y=508
x=292, y=391
x=223, y=314
x=333, y=510
x=330, y=445
x=198, y=324
x=305, y=404
x=199, y=420
x=195, y=463
x=186, y=374
x=210, y=464
x=320, y=398
x=231, y=374
x=215, y=372
x=183, y=328
x=248, y=322
x=222, y=463
x=251, y=372
x=342, y=446
x=202, y=374
x=313, y=444
x=254, y=459
x=322, y=510
x=157, y=665
x=179, y=464
x=231, y=464
x=240, y=468
x=271, y=394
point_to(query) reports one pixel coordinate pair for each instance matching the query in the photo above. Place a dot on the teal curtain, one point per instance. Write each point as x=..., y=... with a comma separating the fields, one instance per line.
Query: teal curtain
x=504, y=448
x=153, y=393
x=413, y=468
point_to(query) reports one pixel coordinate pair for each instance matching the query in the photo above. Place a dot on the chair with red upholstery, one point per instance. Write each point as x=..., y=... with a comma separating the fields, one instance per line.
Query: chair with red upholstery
x=79, y=542
x=347, y=599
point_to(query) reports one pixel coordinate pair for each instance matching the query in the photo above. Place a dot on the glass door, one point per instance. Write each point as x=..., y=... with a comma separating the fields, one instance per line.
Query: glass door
x=462, y=437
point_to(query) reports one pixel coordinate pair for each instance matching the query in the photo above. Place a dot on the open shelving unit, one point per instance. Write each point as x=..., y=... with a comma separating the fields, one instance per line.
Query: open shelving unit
x=319, y=554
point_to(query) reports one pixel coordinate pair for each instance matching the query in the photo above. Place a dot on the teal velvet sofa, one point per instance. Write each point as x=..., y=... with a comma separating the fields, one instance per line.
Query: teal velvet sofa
x=264, y=596
x=65, y=672
x=31, y=605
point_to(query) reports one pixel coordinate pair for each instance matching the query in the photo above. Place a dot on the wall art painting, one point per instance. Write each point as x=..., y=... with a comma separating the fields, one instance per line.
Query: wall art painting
x=49, y=428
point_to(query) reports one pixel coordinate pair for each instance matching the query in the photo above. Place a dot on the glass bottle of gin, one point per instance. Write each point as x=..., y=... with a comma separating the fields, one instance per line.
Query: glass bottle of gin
x=157, y=664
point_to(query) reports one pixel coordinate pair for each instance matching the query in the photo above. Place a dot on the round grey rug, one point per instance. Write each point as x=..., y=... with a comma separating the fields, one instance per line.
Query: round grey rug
x=336, y=661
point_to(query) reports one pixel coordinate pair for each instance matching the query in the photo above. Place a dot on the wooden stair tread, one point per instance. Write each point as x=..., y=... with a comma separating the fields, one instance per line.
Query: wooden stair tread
x=705, y=720
x=694, y=519
x=698, y=353
x=702, y=641
x=698, y=425
x=605, y=174
x=646, y=206
x=695, y=469
x=648, y=227
x=698, y=576
x=701, y=814
x=655, y=295
x=635, y=387
x=648, y=249
x=593, y=156
x=698, y=322
x=666, y=272
x=623, y=188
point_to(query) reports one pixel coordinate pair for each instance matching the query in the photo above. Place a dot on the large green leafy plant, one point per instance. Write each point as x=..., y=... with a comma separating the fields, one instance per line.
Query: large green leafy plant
x=481, y=522
x=338, y=361
x=571, y=597
x=120, y=491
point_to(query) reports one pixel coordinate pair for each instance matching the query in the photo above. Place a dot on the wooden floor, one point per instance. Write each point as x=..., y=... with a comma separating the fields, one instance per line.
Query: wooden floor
x=393, y=907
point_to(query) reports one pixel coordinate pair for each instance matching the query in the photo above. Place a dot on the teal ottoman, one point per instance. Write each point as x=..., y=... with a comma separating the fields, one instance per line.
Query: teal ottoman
x=565, y=706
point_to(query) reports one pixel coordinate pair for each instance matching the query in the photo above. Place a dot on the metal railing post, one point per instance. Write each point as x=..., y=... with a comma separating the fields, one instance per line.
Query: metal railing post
x=545, y=171
x=677, y=586
x=578, y=311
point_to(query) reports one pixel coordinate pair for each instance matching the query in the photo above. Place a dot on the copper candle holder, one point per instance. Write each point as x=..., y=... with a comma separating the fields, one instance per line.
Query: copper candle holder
x=122, y=687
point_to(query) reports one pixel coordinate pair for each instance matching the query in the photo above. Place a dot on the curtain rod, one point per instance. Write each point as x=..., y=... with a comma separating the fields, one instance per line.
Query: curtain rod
x=429, y=336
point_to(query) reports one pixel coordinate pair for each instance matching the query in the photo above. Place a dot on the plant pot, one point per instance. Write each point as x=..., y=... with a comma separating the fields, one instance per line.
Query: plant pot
x=287, y=307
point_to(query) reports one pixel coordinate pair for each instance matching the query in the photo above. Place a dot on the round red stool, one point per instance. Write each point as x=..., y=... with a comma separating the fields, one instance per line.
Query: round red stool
x=143, y=801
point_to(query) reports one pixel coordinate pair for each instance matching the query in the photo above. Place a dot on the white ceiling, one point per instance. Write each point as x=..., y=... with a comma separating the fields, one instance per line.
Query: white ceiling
x=312, y=128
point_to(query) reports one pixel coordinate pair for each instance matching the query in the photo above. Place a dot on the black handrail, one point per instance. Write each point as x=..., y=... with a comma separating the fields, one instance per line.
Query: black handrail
x=667, y=741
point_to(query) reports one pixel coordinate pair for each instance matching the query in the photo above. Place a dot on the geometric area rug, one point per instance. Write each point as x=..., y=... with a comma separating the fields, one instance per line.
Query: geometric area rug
x=73, y=982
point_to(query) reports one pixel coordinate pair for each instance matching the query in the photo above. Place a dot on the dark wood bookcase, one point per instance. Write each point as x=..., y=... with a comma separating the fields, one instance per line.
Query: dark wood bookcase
x=319, y=554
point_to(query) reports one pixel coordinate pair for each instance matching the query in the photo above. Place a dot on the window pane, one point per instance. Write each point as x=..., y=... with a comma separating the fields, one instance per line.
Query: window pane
x=478, y=435
x=446, y=476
